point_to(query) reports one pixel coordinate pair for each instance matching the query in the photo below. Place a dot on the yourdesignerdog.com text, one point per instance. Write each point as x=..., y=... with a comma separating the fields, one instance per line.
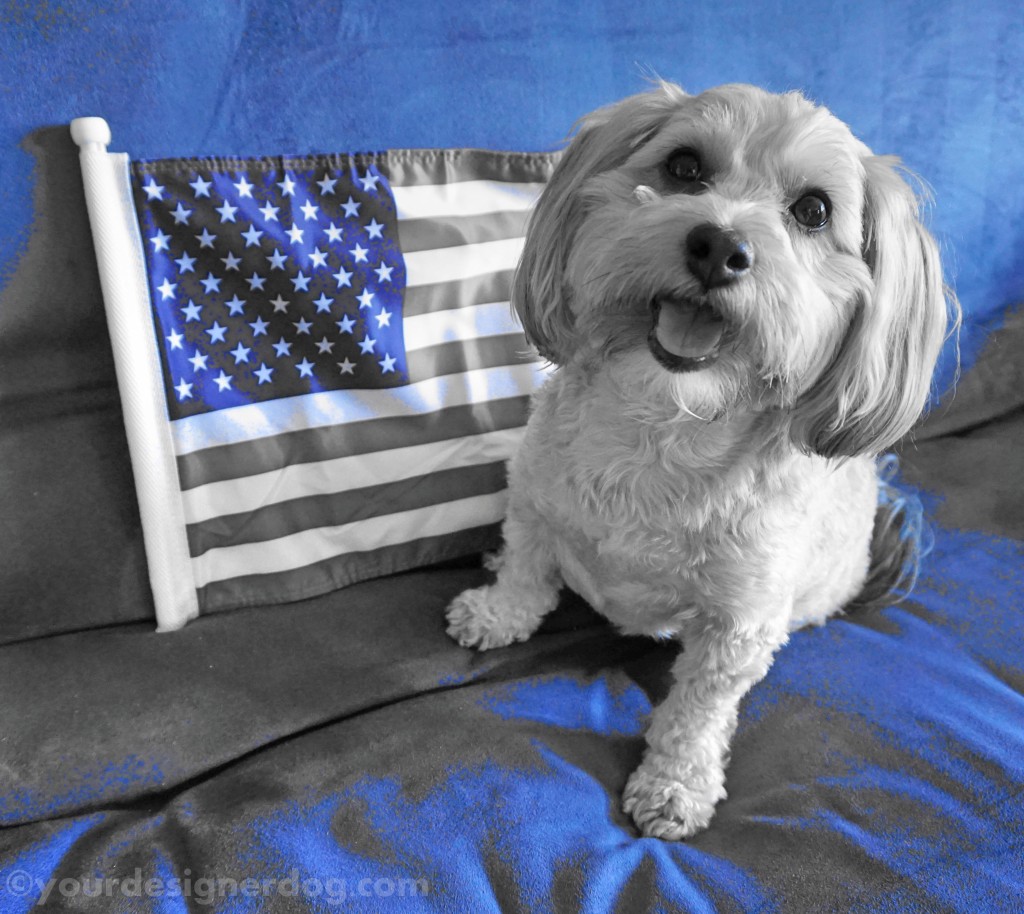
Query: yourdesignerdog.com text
x=205, y=890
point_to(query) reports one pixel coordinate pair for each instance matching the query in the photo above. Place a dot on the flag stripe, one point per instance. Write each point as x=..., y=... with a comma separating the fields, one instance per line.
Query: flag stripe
x=310, y=546
x=345, y=474
x=461, y=293
x=457, y=166
x=334, y=509
x=348, y=568
x=423, y=268
x=454, y=231
x=486, y=319
x=463, y=356
x=465, y=198
x=316, y=445
x=341, y=407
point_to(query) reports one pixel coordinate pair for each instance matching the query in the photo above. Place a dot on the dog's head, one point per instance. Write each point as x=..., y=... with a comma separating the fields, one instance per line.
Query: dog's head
x=738, y=250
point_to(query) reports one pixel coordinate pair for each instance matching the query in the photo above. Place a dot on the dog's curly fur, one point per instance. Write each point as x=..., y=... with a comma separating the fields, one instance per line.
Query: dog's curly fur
x=701, y=464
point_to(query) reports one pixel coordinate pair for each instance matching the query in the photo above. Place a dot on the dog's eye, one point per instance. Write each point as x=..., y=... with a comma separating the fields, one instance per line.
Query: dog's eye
x=684, y=165
x=812, y=211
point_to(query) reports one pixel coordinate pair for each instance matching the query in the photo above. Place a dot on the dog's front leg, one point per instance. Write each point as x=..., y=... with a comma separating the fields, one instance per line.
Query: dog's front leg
x=525, y=591
x=674, y=791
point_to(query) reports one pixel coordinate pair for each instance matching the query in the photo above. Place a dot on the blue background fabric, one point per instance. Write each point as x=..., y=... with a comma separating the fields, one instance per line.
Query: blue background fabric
x=344, y=742
x=939, y=83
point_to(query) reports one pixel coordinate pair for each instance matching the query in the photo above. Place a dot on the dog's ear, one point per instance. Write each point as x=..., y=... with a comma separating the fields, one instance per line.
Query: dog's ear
x=878, y=382
x=604, y=139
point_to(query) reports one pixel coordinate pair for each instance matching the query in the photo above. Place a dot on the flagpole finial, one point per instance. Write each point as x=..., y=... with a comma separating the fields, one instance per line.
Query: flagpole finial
x=89, y=131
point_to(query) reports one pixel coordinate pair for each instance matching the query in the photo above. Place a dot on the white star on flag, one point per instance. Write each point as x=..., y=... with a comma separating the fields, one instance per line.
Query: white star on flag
x=211, y=284
x=244, y=188
x=252, y=236
x=327, y=184
x=153, y=190
x=166, y=289
x=159, y=241
x=201, y=187
x=305, y=368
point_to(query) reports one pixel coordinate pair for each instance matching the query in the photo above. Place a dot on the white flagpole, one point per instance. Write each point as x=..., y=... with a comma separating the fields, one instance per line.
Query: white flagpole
x=119, y=253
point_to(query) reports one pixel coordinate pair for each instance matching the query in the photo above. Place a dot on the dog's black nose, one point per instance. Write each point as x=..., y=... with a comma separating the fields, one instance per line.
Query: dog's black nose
x=717, y=256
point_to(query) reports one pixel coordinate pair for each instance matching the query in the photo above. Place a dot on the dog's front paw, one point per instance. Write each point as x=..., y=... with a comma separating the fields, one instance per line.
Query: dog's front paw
x=669, y=807
x=487, y=617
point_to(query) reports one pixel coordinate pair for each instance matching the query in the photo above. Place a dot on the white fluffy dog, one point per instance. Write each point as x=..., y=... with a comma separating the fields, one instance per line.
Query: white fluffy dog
x=744, y=310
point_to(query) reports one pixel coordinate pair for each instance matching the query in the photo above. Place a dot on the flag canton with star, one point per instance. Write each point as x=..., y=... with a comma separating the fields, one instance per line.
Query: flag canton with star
x=271, y=278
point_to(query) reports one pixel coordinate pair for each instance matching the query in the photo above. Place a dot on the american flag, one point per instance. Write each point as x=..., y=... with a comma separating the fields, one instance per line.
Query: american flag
x=343, y=376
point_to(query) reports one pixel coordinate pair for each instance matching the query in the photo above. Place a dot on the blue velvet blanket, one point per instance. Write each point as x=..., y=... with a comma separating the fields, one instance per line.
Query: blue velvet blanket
x=342, y=753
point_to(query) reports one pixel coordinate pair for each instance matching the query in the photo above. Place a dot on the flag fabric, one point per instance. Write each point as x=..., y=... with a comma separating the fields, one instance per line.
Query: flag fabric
x=342, y=374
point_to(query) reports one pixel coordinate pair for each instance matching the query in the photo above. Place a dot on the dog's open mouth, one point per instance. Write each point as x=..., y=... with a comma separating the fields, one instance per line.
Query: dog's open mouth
x=686, y=334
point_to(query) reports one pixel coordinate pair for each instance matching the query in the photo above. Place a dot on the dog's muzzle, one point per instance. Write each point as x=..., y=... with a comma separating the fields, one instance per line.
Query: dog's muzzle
x=686, y=334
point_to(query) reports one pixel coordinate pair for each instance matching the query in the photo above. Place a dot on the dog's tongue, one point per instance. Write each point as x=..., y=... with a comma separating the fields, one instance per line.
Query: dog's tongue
x=687, y=329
